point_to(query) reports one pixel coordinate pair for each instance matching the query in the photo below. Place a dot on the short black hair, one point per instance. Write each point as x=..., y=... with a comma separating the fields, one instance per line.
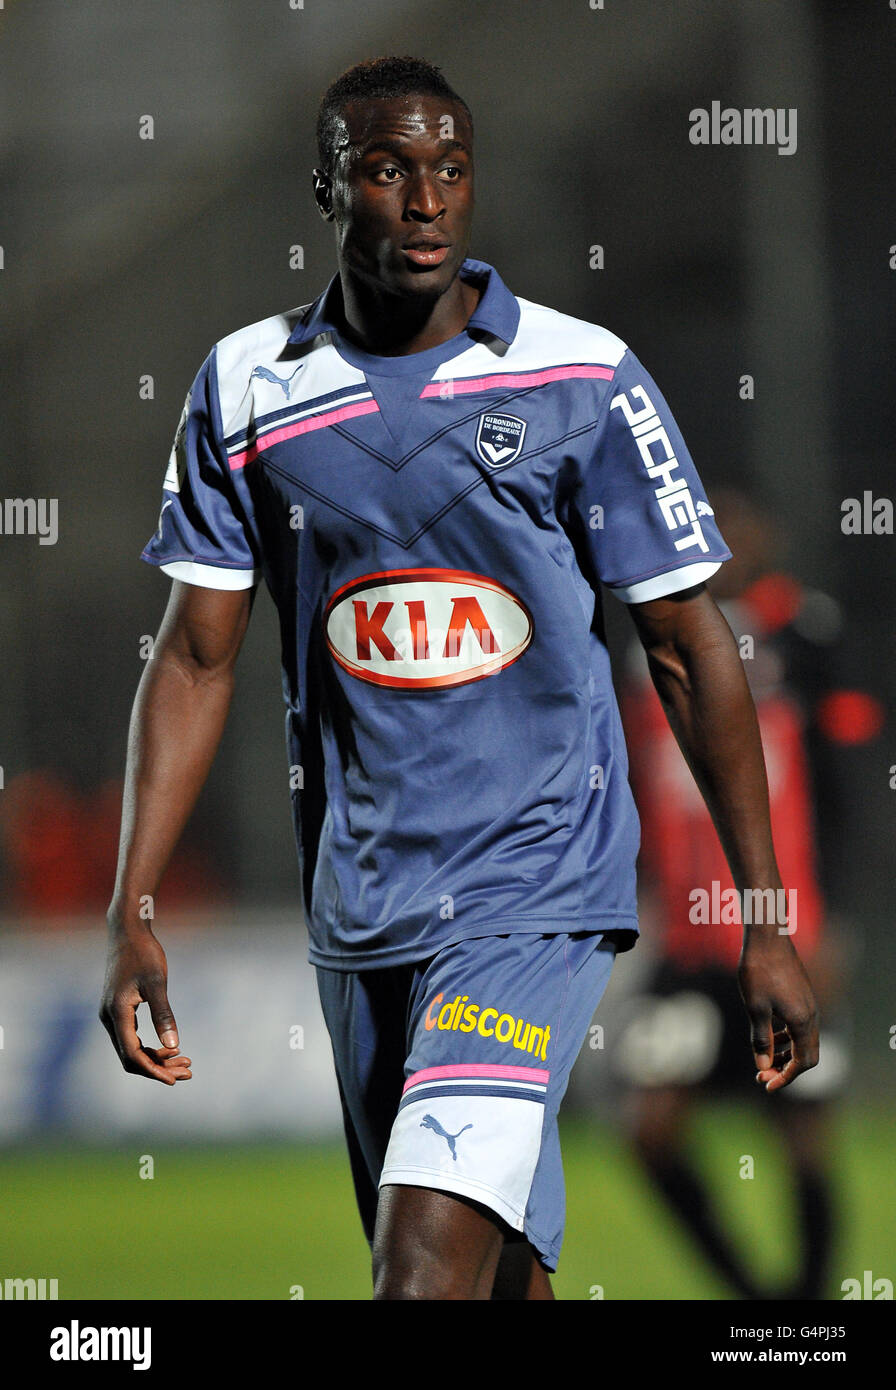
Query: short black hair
x=378, y=77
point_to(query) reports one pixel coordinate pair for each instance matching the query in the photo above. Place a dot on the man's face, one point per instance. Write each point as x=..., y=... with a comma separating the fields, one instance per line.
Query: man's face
x=402, y=193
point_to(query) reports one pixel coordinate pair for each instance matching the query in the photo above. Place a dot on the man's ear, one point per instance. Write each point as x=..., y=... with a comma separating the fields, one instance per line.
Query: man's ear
x=323, y=193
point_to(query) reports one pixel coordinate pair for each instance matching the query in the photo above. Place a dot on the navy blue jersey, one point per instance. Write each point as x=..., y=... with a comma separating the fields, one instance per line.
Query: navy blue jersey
x=434, y=530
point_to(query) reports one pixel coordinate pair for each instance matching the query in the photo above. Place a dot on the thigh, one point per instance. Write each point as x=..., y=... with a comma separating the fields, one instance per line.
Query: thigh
x=431, y=1244
x=438, y=1245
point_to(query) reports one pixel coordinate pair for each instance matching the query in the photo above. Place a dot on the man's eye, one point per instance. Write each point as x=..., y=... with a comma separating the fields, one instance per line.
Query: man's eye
x=383, y=173
x=453, y=169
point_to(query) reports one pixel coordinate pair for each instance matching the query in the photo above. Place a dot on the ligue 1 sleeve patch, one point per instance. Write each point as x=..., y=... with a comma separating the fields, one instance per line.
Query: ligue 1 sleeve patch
x=475, y=1134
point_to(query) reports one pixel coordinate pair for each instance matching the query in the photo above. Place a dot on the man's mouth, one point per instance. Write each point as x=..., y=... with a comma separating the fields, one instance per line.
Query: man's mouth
x=426, y=253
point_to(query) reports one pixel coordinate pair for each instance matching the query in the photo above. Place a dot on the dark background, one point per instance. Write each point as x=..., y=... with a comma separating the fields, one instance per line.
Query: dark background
x=125, y=257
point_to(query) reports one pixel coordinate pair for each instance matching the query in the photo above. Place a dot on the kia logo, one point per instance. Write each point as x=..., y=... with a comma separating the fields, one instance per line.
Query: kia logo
x=425, y=628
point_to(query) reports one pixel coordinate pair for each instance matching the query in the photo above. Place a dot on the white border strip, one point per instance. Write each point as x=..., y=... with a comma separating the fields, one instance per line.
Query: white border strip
x=210, y=576
x=669, y=583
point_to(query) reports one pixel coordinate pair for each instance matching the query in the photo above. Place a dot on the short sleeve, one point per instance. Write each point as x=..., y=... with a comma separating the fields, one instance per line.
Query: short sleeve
x=650, y=529
x=204, y=534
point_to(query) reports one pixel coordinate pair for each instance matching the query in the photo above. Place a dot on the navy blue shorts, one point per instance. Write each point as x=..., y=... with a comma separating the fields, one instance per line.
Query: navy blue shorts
x=451, y=1071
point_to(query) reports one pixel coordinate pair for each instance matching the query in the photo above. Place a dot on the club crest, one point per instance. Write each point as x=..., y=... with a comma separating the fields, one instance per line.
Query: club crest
x=499, y=439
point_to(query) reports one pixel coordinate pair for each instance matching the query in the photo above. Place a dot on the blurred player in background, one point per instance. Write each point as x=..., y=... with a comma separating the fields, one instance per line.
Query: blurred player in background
x=683, y=1038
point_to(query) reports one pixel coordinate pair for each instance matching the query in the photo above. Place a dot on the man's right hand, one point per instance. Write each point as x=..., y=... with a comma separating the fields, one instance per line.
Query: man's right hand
x=137, y=973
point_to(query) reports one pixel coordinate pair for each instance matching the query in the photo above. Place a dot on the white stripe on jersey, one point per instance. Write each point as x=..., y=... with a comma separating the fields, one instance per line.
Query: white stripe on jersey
x=545, y=338
x=672, y=582
x=210, y=576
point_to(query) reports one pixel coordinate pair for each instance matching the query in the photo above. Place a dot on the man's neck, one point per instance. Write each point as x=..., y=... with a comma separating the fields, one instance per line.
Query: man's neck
x=389, y=325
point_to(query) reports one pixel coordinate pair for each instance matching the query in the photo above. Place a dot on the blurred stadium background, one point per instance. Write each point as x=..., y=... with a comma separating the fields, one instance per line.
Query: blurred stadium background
x=125, y=259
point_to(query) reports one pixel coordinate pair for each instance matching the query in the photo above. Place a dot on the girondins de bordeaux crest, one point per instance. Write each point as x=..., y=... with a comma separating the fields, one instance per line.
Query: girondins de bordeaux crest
x=499, y=439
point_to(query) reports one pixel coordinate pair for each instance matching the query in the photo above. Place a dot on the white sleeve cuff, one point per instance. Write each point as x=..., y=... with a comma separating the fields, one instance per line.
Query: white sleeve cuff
x=671, y=582
x=210, y=576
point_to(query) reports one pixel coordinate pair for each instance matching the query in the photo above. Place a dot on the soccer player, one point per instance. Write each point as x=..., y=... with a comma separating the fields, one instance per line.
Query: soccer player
x=434, y=477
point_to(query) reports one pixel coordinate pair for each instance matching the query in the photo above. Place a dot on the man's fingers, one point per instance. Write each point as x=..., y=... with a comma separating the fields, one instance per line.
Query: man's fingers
x=775, y=1080
x=171, y=1061
x=782, y=1048
x=796, y=1051
x=158, y=1064
x=156, y=996
x=168, y=1056
x=803, y=1044
x=120, y=1021
x=761, y=1038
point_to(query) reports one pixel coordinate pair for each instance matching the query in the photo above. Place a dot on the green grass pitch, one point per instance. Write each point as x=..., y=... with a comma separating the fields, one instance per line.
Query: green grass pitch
x=260, y=1221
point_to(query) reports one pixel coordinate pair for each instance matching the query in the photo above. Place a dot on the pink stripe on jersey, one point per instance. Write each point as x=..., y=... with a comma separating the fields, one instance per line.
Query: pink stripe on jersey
x=315, y=422
x=496, y=1073
x=459, y=386
x=480, y=383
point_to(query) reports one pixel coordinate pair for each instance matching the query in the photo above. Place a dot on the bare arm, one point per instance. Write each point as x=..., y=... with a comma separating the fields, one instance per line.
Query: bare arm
x=698, y=674
x=178, y=718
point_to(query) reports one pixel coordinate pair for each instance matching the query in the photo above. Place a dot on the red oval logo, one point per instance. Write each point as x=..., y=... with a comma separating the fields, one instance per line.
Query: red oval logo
x=425, y=628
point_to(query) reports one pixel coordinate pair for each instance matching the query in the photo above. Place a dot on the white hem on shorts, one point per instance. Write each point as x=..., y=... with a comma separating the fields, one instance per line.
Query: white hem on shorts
x=466, y=1187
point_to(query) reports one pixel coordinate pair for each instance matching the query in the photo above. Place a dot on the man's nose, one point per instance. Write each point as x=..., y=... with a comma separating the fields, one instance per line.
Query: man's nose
x=425, y=199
